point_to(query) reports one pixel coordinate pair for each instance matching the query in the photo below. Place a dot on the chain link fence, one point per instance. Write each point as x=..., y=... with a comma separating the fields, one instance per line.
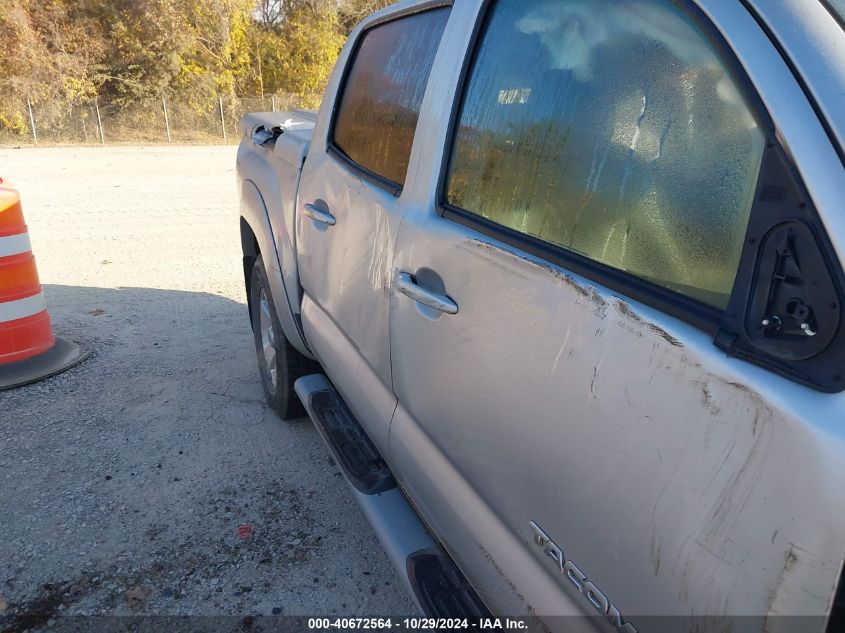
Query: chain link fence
x=151, y=121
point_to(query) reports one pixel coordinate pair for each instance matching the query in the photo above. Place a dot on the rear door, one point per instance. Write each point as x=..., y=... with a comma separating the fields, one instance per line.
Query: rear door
x=348, y=208
x=613, y=200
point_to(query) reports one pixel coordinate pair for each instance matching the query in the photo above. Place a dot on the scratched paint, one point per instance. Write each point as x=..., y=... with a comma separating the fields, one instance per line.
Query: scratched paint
x=621, y=429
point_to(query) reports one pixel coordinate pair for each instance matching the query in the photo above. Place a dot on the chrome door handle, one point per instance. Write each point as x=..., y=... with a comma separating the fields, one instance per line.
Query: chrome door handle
x=318, y=215
x=408, y=287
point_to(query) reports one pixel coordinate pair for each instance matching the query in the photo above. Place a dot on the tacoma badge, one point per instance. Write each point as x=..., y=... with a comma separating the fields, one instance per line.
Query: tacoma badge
x=579, y=579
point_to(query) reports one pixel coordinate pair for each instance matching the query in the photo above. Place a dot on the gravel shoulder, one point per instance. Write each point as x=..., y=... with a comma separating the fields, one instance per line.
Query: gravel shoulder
x=124, y=482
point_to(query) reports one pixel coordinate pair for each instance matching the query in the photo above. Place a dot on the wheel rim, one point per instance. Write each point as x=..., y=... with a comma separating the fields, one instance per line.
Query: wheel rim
x=268, y=337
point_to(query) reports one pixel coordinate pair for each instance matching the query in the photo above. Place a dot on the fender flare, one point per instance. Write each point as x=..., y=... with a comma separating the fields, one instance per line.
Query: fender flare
x=254, y=213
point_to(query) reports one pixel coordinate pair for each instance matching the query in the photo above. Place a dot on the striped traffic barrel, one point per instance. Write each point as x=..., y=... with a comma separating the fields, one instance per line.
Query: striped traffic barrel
x=25, y=329
x=28, y=349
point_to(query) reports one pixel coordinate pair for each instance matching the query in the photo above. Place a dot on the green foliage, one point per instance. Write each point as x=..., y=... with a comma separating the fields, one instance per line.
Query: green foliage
x=46, y=49
x=127, y=51
x=351, y=12
x=297, y=53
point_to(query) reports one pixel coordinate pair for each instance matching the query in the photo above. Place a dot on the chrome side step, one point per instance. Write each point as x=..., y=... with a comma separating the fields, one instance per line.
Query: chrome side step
x=438, y=586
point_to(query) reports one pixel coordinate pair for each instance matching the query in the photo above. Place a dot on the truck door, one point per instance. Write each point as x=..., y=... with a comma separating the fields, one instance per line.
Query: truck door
x=613, y=200
x=348, y=207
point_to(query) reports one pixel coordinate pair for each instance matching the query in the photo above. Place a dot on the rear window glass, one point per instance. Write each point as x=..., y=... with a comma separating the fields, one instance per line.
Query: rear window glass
x=383, y=92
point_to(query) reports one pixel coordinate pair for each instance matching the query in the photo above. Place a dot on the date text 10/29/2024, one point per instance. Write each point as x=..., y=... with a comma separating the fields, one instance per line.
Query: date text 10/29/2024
x=417, y=624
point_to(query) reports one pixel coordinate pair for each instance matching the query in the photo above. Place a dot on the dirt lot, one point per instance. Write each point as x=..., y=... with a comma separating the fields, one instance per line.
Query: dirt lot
x=123, y=482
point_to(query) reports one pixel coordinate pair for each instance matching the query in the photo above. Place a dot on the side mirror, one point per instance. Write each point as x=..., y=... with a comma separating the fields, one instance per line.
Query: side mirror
x=785, y=312
x=794, y=311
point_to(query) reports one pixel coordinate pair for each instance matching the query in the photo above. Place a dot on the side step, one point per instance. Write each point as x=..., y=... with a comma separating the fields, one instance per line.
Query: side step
x=439, y=587
x=358, y=457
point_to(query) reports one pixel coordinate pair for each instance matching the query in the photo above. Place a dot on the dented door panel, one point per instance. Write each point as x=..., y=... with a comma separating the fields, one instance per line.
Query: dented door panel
x=668, y=472
x=345, y=272
x=679, y=481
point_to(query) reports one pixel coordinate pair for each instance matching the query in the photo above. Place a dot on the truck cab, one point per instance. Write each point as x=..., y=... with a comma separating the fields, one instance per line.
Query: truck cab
x=560, y=283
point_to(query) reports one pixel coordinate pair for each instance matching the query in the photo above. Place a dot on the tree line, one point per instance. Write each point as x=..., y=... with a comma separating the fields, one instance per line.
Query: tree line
x=125, y=51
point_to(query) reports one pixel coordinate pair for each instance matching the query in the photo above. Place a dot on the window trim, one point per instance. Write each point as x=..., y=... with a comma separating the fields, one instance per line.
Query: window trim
x=332, y=149
x=697, y=313
x=834, y=13
x=799, y=78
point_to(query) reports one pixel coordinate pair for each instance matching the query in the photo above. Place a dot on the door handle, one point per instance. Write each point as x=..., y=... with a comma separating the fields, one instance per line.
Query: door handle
x=318, y=215
x=408, y=287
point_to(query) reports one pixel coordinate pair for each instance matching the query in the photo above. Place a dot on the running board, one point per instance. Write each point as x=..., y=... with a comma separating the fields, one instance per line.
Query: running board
x=441, y=588
x=438, y=586
x=358, y=457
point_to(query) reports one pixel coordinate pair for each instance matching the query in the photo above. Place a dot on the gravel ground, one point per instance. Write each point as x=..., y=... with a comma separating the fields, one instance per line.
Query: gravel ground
x=123, y=482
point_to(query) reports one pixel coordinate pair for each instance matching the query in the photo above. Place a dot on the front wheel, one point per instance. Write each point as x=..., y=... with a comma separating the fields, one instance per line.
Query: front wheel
x=279, y=363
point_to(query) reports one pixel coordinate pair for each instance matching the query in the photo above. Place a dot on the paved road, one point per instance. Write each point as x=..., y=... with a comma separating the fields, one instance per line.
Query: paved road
x=132, y=472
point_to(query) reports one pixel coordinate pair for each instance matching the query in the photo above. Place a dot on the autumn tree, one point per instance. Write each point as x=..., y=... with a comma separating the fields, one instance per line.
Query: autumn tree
x=351, y=12
x=192, y=48
x=296, y=45
x=47, y=51
x=126, y=51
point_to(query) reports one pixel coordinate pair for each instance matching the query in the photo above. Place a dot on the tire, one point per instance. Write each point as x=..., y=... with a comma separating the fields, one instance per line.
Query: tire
x=279, y=363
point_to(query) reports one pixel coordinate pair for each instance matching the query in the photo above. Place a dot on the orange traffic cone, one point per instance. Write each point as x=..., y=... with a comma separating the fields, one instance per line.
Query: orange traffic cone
x=28, y=349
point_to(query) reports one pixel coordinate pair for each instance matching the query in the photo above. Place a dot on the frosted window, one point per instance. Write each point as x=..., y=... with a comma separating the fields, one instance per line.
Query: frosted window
x=380, y=105
x=613, y=129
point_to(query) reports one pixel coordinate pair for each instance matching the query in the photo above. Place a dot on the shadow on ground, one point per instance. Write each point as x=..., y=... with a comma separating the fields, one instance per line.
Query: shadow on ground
x=128, y=480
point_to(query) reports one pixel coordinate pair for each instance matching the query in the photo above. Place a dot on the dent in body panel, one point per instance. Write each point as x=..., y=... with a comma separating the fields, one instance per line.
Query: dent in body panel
x=345, y=269
x=363, y=390
x=589, y=293
x=738, y=499
x=586, y=291
x=369, y=270
x=466, y=525
x=731, y=442
x=797, y=586
x=731, y=480
x=741, y=428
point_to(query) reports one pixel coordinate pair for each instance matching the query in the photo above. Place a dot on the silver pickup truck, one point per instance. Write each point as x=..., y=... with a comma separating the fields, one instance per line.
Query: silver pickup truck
x=560, y=283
